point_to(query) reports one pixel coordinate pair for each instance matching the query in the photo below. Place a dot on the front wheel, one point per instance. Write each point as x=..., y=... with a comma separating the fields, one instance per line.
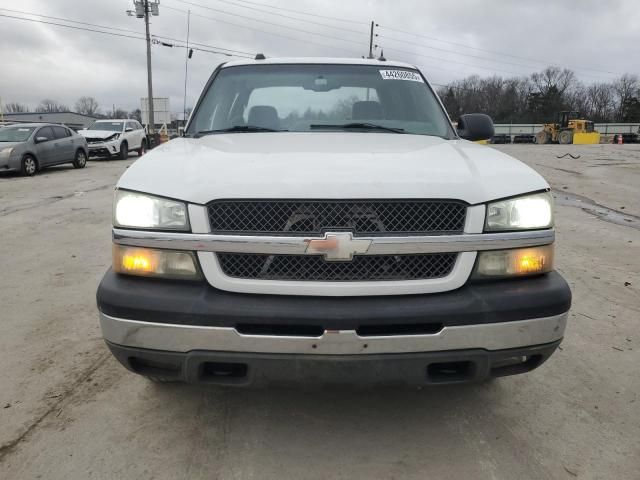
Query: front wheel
x=542, y=138
x=29, y=166
x=143, y=148
x=80, y=160
x=565, y=137
x=124, y=151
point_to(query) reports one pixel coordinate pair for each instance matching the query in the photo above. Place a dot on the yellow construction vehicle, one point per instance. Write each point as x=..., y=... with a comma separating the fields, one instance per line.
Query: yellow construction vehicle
x=569, y=129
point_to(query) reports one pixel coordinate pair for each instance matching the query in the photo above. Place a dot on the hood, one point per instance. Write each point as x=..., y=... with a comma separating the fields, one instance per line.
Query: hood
x=97, y=133
x=4, y=145
x=328, y=165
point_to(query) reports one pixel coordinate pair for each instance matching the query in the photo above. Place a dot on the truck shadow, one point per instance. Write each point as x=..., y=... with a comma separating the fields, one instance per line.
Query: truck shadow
x=382, y=433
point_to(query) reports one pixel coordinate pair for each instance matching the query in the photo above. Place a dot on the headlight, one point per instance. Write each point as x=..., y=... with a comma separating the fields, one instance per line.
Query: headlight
x=5, y=152
x=151, y=262
x=513, y=263
x=137, y=210
x=521, y=213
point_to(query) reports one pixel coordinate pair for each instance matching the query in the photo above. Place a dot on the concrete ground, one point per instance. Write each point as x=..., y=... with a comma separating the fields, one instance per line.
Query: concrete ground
x=68, y=410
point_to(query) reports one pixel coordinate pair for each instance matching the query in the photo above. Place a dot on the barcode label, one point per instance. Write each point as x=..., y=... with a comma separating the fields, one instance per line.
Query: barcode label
x=401, y=75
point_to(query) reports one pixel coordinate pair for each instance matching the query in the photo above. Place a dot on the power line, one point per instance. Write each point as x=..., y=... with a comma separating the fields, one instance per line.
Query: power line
x=228, y=2
x=534, y=60
x=529, y=67
x=448, y=60
x=243, y=54
x=305, y=13
x=71, y=26
x=323, y=45
x=453, y=51
x=72, y=21
x=191, y=46
x=491, y=69
x=279, y=25
x=297, y=39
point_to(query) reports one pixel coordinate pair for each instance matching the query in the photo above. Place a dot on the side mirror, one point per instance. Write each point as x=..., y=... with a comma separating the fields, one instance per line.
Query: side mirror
x=128, y=129
x=41, y=139
x=475, y=126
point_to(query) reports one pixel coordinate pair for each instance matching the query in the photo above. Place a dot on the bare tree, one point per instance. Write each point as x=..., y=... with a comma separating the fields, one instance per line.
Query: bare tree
x=118, y=113
x=50, y=106
x=87, y=106
x=578, y=100
x=554, y=78
x=601, y=102
x=627, y=89
x=14, y=107
x=137, y=115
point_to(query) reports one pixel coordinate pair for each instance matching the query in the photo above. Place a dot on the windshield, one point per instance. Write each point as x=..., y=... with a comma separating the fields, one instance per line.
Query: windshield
x=110, y=126
x=15, y=134
x=303, y=98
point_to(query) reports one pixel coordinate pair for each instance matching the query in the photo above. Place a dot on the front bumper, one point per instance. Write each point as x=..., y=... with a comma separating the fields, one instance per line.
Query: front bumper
x=180, y=328
x=258, y=369
x=104, y=149
x=10, y=163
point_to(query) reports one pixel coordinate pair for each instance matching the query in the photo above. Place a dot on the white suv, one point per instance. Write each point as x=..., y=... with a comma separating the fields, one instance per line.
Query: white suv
x=107, y=138
x=329, y=224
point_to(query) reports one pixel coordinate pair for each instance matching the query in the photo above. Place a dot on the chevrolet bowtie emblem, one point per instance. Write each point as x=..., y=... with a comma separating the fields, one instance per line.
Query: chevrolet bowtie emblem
x=339, y=246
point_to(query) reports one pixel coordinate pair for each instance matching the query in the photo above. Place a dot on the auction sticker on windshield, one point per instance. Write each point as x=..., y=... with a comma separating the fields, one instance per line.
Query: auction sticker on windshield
x=401, y=75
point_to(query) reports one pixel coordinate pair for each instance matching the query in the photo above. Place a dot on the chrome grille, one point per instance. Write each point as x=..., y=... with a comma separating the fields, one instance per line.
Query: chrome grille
x=314, y=217
x=315, y=268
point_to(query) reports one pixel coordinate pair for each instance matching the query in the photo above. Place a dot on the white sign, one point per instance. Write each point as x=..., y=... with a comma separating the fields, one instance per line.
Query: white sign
x=401, y=75
x=161, y=111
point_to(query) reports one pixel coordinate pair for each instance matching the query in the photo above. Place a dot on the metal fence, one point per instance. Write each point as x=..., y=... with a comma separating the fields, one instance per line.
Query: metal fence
x=533, y=128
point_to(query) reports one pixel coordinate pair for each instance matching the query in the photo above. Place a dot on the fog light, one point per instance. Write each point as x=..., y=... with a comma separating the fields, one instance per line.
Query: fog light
x=148, y=262
x=516, y=262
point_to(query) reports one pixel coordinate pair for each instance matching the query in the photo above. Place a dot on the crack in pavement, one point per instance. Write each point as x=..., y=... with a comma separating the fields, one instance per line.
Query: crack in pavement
x=603, y=212
x=566, y=170
x=54, y=199
x=11, y=445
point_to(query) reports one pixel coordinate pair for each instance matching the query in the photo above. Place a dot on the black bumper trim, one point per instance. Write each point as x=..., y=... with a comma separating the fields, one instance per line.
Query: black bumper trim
x=408, y=369
x=190, y=303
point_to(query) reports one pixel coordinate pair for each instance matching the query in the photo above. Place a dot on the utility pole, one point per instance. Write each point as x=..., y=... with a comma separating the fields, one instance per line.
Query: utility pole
x=152, y=123
x=144, y=9
x=371, y=41
x=186, y=71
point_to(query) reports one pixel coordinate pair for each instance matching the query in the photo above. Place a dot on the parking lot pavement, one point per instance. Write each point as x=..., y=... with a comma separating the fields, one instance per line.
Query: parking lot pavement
x=68, y=410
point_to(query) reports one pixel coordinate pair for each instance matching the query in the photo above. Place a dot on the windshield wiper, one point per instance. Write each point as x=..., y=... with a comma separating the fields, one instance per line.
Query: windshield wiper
x=359, y=126
x=237, y=128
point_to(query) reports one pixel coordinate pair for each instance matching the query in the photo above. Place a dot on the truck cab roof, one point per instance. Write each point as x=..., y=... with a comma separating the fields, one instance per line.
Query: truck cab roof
x=318, y=61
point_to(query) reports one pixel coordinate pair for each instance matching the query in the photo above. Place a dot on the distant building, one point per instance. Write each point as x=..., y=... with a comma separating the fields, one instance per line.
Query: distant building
x=72, y=120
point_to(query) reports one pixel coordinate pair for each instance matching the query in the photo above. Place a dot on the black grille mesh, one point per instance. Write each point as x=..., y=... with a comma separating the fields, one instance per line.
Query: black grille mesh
x=315, y=268
x=362, y=217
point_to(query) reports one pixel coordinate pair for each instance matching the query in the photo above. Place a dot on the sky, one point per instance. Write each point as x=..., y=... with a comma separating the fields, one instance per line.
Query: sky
x=447, y=40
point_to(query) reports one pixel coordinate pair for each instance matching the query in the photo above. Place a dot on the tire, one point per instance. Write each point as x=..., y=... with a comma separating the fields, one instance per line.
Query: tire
x=124, y=151
x=143, y=148
x=542, y=137
x=565, y=137
x=29, y=166
x=80, y=160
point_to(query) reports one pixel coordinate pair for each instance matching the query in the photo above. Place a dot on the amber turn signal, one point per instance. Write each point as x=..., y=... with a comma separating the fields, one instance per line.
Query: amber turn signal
x=515, y=262
x=149, y=262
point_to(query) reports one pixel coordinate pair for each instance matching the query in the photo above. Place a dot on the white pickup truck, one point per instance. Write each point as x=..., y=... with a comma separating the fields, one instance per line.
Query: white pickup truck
x=322, y=221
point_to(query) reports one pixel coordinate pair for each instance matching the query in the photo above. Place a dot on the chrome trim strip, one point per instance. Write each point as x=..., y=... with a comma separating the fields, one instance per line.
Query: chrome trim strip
x=184, y=338
x=469, y=242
